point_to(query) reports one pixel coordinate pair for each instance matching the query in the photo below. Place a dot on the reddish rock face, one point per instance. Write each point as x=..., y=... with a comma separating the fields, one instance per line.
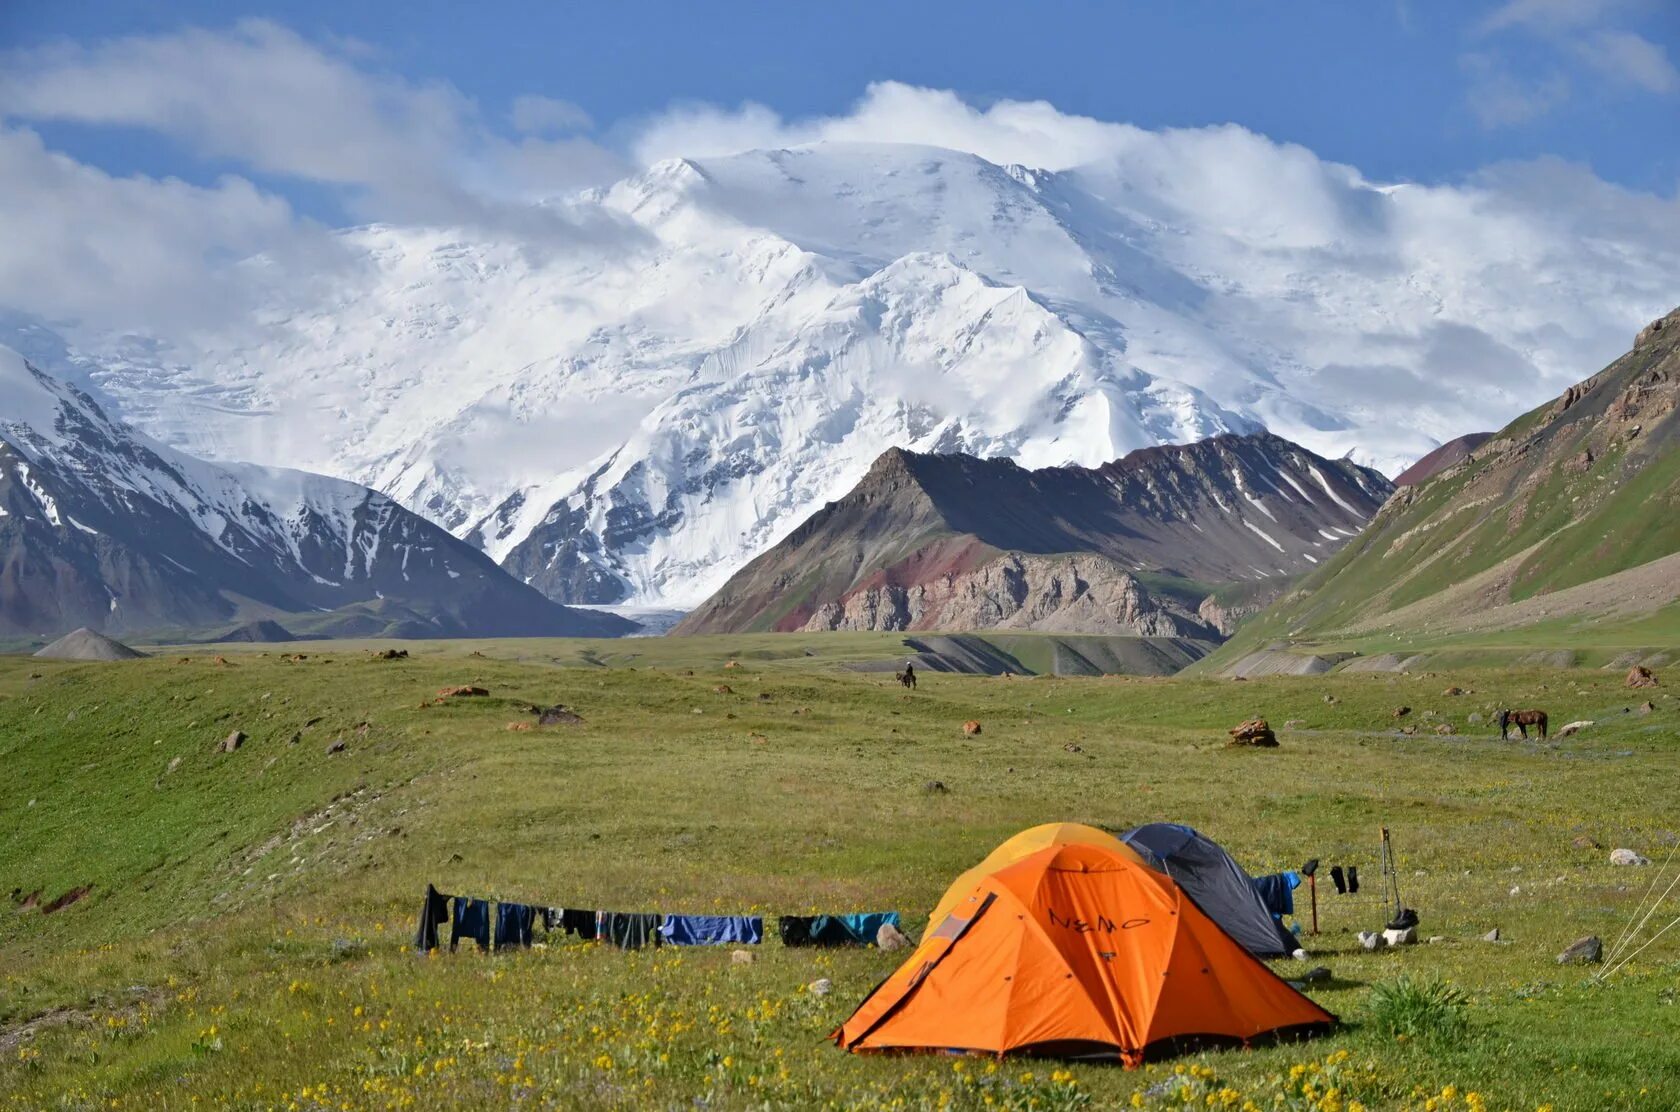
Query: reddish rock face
x=953, y=543
x=1450, y=454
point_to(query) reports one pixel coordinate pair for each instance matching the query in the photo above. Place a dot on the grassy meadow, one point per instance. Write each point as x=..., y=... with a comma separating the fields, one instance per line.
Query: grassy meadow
x=244, y=940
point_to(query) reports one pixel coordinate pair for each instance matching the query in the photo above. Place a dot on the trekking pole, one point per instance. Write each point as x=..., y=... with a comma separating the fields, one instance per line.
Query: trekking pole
x=1312, y=888
x=1391, y=874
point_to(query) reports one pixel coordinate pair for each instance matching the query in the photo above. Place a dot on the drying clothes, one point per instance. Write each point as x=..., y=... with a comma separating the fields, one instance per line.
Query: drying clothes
x=472, y=920
x=866, y=926
x=627, y=930
x=1277, y=892
x=513, y=925
x=834, y=930
x=434, y=913
x=550, y=918
x=579, y=922
x=712, y=930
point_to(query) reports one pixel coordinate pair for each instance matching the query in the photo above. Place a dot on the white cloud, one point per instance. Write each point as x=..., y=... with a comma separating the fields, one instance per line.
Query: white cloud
x=1629, y=58
x=532, y=114
x=257, y=93
x=279, y=104
x=1584, y=35
x=1549, y=15
x=1499, y=98
x=140, y=253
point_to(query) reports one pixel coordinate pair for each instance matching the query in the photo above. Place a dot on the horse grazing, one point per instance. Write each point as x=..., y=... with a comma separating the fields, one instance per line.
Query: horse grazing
x=1522, y=720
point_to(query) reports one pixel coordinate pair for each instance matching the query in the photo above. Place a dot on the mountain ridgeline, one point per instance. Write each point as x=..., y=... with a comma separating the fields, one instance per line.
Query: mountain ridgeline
x=104, y=528
x=1175, y=541
x=1570, y=514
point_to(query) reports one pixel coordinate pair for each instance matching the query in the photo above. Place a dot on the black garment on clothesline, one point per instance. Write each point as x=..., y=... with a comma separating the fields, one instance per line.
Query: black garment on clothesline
x=472, y=920
x=513, y=925
x=434, y=913
x=795, y=929
x=626, y=930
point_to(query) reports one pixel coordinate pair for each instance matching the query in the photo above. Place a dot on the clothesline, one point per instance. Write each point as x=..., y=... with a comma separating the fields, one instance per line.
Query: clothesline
x=469, y=919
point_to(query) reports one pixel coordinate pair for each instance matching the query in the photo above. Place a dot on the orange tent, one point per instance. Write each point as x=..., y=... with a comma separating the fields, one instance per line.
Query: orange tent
x=1077, y=951
x=1024, y=844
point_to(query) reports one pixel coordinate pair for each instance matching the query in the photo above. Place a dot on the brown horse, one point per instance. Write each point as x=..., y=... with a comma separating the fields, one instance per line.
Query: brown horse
x=1522, y=720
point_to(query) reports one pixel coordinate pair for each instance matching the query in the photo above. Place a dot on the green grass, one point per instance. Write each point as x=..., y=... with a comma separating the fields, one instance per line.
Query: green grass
x=243, y=944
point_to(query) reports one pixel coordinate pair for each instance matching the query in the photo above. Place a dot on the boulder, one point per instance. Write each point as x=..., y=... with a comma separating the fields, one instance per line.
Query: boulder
x=1371, y=940
x=1627, y=857
x=232, y=741
x=1583, y=951
x=1647, y=707
x=558, y=715
x=890, y=938
x=1582, y=841
x=336, y=747
x=461, y=692
x=1401, y=712
x=1444, y=728
x=1492, y=935
x=733, y=664
x=1405, y=936
x=518, y=726
x=1255, y=732
x=1474, y=719
x=1294, y=724
x=391, y=654
x=971, y=727
x=724, y=689
x=1574, y=728
x=935, y=787
x=1452, y=691
x=822, y=986
x=742, y=957
x=1073, y=748
x=1641, y=676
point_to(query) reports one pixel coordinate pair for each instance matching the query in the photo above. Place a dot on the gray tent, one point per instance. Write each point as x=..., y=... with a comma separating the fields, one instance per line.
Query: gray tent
x=1217, y=884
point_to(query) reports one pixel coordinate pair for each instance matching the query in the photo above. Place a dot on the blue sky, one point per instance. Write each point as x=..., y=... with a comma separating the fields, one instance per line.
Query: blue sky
x=1425, y=90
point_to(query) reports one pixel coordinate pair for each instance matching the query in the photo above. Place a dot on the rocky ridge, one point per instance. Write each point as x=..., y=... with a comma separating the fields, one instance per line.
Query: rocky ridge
x=955, y=542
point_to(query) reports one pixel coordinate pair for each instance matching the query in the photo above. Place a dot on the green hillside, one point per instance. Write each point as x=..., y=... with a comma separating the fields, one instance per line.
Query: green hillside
x=242, y=941
x=1568, y=519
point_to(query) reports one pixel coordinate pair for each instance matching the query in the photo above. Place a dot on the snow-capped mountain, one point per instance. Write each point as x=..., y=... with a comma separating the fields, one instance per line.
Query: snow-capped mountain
x=635, y=416
x=102, y=527
x=923, y=354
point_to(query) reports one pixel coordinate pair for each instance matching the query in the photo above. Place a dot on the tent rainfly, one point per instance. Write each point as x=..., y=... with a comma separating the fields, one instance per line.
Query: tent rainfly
x=1218, y=885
